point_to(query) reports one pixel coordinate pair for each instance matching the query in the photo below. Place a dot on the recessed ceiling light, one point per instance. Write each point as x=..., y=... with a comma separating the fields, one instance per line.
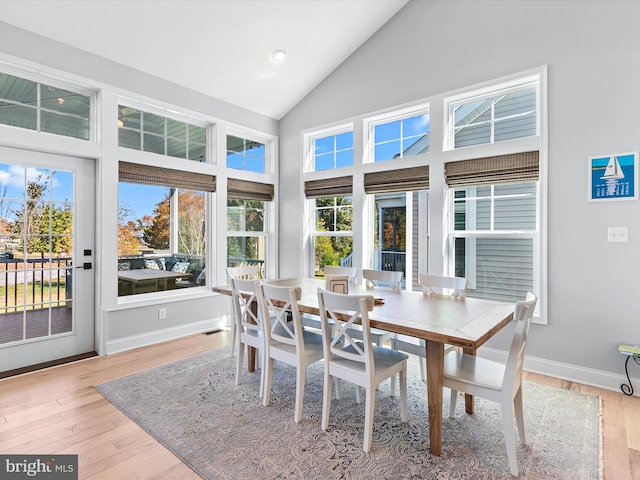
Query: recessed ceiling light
x=278, y=54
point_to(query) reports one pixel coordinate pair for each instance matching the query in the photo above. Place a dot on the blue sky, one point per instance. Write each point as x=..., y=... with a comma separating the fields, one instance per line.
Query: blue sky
x=13, y=179
x=140, y=199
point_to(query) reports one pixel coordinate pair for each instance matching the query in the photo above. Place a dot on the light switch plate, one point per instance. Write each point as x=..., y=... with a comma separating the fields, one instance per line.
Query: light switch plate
x=618, y=234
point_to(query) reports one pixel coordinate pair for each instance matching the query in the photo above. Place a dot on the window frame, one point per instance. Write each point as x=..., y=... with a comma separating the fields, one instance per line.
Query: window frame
x=245, y=136
x=396, y=115
x=309, y=139
x=264, y=233
x=490, y=233
x=314, y=233
x=51, y=80
x=486, y=93
x=166, y=114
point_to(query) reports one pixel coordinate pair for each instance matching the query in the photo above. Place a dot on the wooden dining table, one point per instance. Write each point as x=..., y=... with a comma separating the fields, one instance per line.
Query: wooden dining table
x=437, y=319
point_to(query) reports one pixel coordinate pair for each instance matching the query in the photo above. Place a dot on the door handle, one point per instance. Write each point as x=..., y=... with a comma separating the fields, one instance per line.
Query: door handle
x=86, y=266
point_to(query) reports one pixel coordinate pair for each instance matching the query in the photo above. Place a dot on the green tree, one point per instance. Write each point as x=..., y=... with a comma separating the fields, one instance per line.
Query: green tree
x=128, y=243
x=155, y=229
x=48, y=227
x=333, y=214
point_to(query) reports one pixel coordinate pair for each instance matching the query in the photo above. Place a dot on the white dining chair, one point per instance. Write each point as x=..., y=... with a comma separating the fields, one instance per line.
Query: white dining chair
x=360, y=362
x=248, y=323
x=351, y=272
x=496, y=381
x=313, y=321
x=382, y=278
x=244, y=272
x=431, y=285
x=379, y=278
x=286, y=341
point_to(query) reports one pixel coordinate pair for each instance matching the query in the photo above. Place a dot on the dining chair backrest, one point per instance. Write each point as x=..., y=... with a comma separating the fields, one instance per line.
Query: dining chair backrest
x=522, y=314
x=345, y=310
x=244, y=294
x=280, y=305
x=245, y=272
x=351, y=272
x=441, y=285
x=379, y=278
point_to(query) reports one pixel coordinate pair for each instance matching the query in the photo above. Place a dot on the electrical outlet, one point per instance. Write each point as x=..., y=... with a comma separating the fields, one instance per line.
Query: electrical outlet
x=162, y=313
x=618, y=234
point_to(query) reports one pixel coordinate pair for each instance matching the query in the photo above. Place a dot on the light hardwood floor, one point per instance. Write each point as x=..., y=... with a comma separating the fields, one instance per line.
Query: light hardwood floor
x=57, y=410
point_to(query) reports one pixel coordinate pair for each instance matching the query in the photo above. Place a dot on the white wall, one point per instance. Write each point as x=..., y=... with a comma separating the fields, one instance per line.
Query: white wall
x=591, y=49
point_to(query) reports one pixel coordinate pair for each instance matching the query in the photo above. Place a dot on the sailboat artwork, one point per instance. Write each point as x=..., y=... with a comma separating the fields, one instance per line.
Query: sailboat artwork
x=613, y=170
x=614, y=176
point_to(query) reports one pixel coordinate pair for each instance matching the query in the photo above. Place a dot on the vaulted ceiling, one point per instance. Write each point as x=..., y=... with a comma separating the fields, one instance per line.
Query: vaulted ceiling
x=222, y=48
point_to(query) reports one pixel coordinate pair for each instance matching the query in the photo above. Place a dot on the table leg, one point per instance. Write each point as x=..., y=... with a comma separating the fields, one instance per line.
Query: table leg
x=468, y=399
x=251, y=359
x=435, y=375
x=251, y=352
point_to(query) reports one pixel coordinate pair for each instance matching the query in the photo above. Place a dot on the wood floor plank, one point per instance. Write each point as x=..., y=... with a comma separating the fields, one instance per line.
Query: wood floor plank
x=632, y=417
x=59, y=411
x=634, y=456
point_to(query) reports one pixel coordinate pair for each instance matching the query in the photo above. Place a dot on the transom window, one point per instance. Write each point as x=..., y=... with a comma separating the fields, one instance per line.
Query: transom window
x=245, y=154
x=44, y=108
x=505, y=113
x=150, y=132
x=401, y=137
x=333, y=151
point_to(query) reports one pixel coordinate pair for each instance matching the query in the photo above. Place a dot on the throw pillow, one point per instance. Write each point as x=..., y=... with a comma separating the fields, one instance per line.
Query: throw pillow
x=151, y=265
x=180, y=267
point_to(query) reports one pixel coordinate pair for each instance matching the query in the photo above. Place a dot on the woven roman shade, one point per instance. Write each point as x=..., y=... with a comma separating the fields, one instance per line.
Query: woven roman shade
x=166, y=177
x=513, y=168
x=329, y=187
x=401, y=180
x=249, y=190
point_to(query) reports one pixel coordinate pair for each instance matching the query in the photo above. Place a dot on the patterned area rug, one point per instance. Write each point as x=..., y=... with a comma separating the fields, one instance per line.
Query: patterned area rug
x=223, y=432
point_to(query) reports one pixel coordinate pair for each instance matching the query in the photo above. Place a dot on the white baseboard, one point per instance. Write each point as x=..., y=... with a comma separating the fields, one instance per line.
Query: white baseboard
x=566, y=371
x=157, y=336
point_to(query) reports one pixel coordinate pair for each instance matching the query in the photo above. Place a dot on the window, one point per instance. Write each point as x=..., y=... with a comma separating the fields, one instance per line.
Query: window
x=245, y=154
x=44, y=108
x=504, y=112
x=246, y=237
x=149, y=132
x=247, y=225
x=399, y=220
x=332, y=233
x=495, y=239
x=333, y=151
x=401, y=137
x=390, y=232
x=162, y=225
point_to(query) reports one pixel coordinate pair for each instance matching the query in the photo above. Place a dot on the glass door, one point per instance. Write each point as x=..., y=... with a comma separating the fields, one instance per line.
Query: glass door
x=46, y=257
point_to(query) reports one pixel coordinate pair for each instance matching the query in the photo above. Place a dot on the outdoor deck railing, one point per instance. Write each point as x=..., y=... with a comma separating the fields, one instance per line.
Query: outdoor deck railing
x=43, y=280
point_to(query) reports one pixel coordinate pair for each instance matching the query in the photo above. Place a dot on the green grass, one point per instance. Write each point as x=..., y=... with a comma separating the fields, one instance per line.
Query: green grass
x=13, y=295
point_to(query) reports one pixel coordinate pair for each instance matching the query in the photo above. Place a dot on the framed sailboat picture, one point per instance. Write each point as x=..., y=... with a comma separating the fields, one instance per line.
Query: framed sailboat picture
x=613, y=177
